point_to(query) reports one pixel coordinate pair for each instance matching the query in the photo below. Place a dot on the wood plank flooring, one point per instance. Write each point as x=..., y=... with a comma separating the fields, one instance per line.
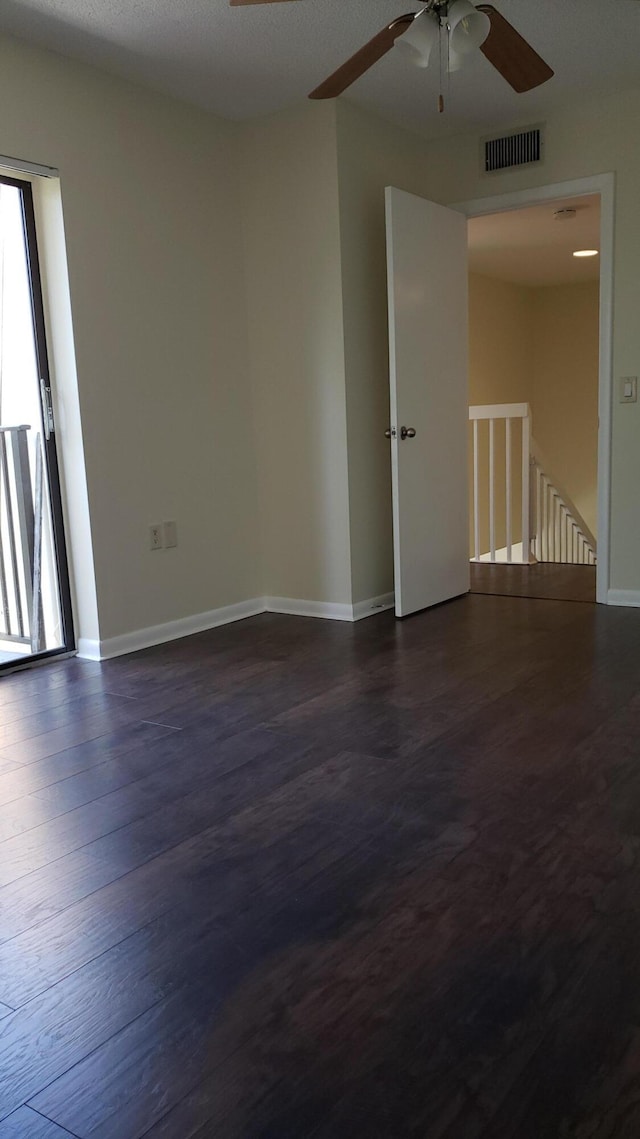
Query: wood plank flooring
x=553, y=580
x=297, y=878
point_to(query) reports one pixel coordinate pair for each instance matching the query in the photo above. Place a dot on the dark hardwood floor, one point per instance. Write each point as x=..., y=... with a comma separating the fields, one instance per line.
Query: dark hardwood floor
x=551, y=580
x=296, y=878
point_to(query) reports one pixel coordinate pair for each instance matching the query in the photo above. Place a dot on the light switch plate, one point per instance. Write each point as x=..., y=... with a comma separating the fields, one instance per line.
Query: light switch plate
x=628, y=389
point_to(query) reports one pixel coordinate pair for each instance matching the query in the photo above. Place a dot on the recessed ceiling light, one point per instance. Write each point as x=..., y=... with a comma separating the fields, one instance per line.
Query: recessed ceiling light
x=586, y=253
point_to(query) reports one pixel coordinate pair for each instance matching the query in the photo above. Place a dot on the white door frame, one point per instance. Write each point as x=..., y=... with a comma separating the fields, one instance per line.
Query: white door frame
x=604, y=185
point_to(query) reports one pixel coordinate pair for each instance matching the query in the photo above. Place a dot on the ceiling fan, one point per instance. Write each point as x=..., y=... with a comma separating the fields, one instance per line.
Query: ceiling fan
x=467, y=28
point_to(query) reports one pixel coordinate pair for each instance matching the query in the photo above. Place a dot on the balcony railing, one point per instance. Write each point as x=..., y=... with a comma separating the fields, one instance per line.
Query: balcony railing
x=21, y=500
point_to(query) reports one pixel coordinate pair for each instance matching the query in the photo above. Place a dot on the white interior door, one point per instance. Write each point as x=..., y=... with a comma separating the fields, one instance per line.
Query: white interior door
x=428, y=347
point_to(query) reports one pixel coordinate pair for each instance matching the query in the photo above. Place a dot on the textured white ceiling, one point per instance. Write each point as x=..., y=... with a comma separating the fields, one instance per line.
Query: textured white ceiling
x=531, y=247
x=244, y=62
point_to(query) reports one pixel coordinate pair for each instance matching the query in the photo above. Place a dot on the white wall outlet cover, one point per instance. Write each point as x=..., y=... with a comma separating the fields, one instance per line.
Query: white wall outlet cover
x=156, y=537
x=170, y=535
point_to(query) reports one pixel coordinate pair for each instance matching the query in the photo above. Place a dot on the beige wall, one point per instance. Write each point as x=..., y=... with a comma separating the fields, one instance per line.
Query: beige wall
x=564, y=389
x=314, y=179
x=154, y=253
x=228, y=293
x=371, y=155
x=294, y=290
x=500, y=333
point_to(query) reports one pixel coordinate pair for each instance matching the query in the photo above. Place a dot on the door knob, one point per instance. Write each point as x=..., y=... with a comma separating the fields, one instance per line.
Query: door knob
x=390, y=433
x=407, y=432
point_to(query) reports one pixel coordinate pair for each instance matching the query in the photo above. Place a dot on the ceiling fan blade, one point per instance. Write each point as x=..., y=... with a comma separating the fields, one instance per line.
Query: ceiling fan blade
x=511, y=55
x=363, y=59
x=237, y=3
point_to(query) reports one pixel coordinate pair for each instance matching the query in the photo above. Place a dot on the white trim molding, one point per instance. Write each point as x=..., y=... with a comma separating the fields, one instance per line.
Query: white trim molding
x=604, y=185
x=628, y=597
x=297, y=607
x=88, y=649
x=200, y=622
x=373, y=605
x=24, y=166
x=170, y=631
x=329, y=610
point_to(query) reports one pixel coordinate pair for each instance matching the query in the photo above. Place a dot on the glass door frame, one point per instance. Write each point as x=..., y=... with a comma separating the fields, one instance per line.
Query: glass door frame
x=50, y=453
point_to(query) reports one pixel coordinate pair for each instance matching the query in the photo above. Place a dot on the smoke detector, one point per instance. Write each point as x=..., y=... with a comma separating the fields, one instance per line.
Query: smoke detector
x=565, y=213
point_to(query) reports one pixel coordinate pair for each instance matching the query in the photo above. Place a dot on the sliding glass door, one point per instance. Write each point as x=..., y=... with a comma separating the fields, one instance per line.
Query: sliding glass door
x=35, y=605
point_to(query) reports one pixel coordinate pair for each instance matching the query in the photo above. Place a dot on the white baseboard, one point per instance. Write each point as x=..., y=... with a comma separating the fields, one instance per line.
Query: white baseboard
x=199, y=622
x=329, y=610
x=170, y=631
x=296, y=607
x=629, y=597
x=88, y=650
x=373, y=605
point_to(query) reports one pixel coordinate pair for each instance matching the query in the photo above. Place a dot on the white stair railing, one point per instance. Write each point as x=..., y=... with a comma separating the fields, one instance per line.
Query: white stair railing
x=559, y=533
x=540, y=521
x=500, y=419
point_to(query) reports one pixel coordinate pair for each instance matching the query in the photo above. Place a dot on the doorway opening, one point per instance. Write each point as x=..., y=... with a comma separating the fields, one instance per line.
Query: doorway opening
x=534, y=374
x=35, y=603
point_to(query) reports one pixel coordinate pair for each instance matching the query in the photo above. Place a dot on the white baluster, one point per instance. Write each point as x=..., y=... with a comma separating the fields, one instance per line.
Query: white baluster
x=526, y=500
x=492, y=501
x=538, y=513
x=507, y=446
x=476, y=494
x=545, y=520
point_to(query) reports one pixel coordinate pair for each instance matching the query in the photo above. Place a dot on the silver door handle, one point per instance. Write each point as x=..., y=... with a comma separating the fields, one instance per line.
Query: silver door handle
x=407, y=432
x=390, y=433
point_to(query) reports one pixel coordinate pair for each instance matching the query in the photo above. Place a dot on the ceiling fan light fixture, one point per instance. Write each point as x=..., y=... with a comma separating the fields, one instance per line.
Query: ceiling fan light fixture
x=468, y=28
x=417, y=43
x=455, y=61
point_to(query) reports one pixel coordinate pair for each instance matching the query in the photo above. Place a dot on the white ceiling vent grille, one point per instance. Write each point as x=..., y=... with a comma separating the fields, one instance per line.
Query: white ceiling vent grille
x=518, y=148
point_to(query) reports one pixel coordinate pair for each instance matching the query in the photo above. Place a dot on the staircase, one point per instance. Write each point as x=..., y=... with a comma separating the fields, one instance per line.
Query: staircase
x=559, y=533
x=521, y=513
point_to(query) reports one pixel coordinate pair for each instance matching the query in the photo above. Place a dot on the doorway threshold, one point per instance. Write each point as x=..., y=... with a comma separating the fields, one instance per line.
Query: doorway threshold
x=551, y=581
